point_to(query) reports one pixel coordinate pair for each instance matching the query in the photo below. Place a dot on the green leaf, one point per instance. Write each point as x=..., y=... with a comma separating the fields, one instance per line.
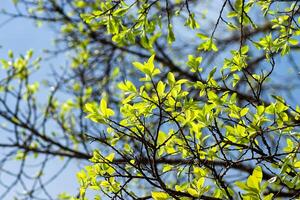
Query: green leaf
x=148, y=67
x=110, y=157
x=160, y=88
x=244, y=111
x=241, y=185
x=293, y=41
x=160, y=195
x=244, y=49
x=171, y=78
x=139, y=66
x=171, y=36
x=255, y=179
x=80, y=4
x=202, y=36
x=211, y=73
x=192, y=192
x=121, y=12
x=236, y=79
x=191, y=22
x=297, y=164
x=103, y=105
x=200, y=183
x=268, y=197
x=150, y=63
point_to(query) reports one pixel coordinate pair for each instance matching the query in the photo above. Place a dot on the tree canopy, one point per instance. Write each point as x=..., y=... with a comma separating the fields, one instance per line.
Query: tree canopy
x=161, y=99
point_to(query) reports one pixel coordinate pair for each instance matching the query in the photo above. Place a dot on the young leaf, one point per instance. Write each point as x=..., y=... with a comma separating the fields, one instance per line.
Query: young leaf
x=160, y=195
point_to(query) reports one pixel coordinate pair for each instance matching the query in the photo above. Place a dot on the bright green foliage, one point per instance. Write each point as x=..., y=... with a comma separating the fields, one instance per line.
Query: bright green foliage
x=161, y=117
x=172, y=132
x=183, y=109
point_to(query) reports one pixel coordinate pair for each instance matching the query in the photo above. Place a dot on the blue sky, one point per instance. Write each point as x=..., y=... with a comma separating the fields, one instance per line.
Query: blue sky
x=20, y=35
